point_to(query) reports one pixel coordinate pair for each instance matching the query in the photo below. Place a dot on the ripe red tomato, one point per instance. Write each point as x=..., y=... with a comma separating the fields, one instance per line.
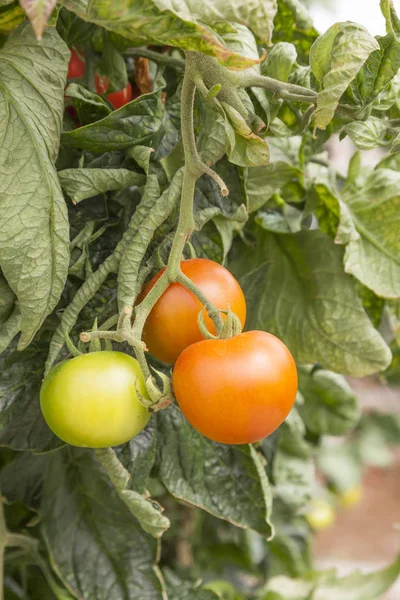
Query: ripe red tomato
x=118, y=98
x=172, y=324
x=237, y=390
x=76, y=66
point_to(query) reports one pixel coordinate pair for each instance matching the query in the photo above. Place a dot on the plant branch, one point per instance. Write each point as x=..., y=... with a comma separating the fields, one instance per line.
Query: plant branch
x=287, y=91
x=157, y=57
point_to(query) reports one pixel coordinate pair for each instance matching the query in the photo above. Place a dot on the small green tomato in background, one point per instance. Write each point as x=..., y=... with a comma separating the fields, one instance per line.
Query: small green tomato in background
x=92, y=400
x=320, y=515
x=351, y=497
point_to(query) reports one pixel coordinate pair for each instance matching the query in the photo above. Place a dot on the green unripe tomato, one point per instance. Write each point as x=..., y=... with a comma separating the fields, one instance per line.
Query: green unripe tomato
x=92, y=401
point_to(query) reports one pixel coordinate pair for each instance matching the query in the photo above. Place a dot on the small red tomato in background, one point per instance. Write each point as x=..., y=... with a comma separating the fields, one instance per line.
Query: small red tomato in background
x=76, y=66
x=118, y=98
x=236, y=390
x=172, y=324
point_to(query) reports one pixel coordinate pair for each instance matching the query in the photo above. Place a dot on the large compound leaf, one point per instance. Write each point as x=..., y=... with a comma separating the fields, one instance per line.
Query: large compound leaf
x=34, y=237
x=185, y=24
x=97, y=546
x=228, y=481
x=335, y=59
x=306, y=299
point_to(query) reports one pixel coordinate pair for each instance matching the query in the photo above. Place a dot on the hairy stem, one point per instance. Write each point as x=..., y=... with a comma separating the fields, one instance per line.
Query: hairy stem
x=287, y=91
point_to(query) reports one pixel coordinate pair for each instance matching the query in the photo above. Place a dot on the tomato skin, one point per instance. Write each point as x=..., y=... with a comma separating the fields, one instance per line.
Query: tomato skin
x=237, y=390
x=76, y=66
x=91, y=400
x=321, y=515
x=119, y=98
x=172, y=324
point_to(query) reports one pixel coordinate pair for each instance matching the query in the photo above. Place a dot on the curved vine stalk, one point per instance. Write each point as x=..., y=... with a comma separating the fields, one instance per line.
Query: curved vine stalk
x=211, y=82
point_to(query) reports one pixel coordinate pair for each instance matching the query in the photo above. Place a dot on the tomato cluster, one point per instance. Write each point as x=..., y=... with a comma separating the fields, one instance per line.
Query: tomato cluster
x=233, y=391
x=76, y=70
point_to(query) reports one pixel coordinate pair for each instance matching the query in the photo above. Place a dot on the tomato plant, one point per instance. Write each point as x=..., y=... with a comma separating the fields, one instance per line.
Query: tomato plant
x=237, y=390
x=92, y=400
x=172, y=324
x=190, y=288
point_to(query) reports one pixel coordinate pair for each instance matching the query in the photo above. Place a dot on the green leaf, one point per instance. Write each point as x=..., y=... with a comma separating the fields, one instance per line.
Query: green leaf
x=156, y=209
x=22, y=426
x=134, y=124
x=7, y=300
x=147, y=511
x=335, y=59
x=90, y=107
x=326, y=585
x=261, y=183
x=72, y=29
x=22, y=479
x=38, y=12
x=10, y=18
x=373, y=256
x=293, y=24
x=186, y=26
x=112, y=66
x=379, y=69
x=141, y=155
x=293, y=468
x=330, y=405
x=138, y=456
x=80, y=184
x=34, y=237
x=367, y=134
x=280, y=61
x=177, y=589
x=227, y=481
x=319, y=317
x=94, y=541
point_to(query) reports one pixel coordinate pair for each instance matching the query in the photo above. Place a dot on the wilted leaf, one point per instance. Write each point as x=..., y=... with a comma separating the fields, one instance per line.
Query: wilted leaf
x=38, y=12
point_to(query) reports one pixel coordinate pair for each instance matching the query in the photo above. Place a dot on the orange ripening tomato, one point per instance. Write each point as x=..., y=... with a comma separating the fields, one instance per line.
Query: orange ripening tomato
x=172, y=324
x=237, y=390
x=76, y=66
